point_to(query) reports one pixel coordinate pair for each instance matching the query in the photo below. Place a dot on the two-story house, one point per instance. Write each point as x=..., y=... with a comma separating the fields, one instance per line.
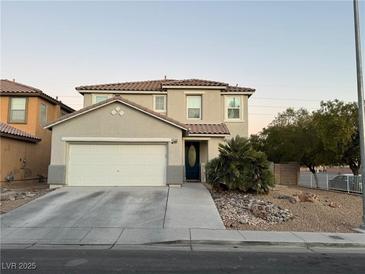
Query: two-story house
x=146, y=133
x=25, y=146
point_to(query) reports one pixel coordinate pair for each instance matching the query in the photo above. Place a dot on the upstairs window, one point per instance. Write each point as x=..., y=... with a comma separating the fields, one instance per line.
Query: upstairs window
x=233, y=108
x=159, y=103
x=43, y=114
x=194, y=107
x=18, y=110
x=97, y=98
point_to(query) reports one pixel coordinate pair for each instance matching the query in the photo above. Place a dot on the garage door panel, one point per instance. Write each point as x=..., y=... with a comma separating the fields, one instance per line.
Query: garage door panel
x=116, y=165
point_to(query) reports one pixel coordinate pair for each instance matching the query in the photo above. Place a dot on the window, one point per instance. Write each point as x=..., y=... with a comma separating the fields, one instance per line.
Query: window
x=160, y=103
x=43, y=114
x=233, y=108
x=18, y=110
x=97, y=98
x=194, y=107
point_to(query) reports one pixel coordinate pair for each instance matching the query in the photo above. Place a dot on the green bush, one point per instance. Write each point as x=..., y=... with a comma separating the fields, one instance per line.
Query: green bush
x=240, y=167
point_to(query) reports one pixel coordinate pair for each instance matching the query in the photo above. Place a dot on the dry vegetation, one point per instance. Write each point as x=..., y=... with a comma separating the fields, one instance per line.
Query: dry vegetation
x=330, y=212
x=16, y=194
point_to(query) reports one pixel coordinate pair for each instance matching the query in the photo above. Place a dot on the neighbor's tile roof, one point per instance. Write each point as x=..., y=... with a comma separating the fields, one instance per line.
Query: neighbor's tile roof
x=117, y=99
x=7, y=130
x=158, y=85
x=8, y=87
x=220, y=129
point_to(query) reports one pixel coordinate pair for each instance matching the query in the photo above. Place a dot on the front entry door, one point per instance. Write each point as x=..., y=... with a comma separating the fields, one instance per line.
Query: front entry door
x=192, y=160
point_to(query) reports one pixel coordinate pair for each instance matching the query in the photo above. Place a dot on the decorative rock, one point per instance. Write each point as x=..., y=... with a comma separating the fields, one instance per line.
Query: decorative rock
x=5, y=196
x=291, y=199
x=333, y=205
x=307, y=197
x=247, y=209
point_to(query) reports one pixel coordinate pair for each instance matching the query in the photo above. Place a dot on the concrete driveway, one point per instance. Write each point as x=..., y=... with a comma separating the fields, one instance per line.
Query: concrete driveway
x=72, y=214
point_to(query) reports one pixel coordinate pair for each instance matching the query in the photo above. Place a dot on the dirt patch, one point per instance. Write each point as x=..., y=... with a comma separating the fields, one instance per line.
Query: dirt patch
x=312, y=210
x=16, y=194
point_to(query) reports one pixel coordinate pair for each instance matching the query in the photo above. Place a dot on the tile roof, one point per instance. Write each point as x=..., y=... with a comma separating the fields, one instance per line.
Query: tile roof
x=151, y=85
x=123, y=101
x=195, y=82
x=158, y=85
x=220, y=129
x=7, y=130
x=238, y=89
x=8, y=87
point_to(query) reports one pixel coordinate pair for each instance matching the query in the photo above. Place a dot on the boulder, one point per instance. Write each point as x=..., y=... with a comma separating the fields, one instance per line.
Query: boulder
x=307, y=197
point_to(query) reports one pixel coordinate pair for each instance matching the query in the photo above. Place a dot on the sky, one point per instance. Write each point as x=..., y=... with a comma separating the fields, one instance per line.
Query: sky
x=294, y=53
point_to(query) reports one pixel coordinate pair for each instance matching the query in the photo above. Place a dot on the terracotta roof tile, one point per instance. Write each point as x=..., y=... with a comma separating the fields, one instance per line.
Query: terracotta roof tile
x=196, y=82
x=157, y=85
x=238, y=89
x=152, y=85
x=117, y=99
x=7, y=130
x=220, y=129
x=8, y=87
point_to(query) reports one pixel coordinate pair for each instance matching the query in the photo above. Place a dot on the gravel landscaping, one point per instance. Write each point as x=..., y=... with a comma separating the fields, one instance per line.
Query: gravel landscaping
x=15, y=194
x=290, y=208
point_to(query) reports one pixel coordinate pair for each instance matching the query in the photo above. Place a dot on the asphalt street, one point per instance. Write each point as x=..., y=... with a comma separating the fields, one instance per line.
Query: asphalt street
x=178, y=261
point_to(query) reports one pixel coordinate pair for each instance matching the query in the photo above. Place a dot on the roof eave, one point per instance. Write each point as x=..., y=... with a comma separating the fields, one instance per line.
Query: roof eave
x=207, y=135
x=192, y=87
x=40, y=95
x=22, y=138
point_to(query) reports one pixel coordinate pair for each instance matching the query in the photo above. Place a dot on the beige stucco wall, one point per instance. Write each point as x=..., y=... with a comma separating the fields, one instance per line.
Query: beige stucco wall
x=100, y=123
x=145, y=100
x=213, y=107
x=213, y=144
x=240, y=127
x=39, y=157
x=87, y=99
x=20, y=159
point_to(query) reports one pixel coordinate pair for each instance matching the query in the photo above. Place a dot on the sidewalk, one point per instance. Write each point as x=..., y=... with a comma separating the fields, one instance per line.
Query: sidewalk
x=108, y=238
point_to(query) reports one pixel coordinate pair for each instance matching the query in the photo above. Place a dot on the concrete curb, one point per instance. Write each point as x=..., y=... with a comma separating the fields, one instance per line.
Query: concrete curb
x=181, y=243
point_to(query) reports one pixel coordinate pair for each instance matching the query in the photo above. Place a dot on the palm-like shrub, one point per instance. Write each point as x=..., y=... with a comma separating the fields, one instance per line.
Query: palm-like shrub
x=240, y=167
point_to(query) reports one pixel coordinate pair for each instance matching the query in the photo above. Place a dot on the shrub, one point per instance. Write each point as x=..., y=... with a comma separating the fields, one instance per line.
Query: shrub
x=240, y=167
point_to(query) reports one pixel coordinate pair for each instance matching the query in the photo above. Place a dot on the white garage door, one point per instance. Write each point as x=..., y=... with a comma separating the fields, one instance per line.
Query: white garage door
x=117, y=165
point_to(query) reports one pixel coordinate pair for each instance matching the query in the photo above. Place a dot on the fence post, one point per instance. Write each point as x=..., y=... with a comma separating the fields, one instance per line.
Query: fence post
x=327, y=180
x=311, y=178
x=347, y=182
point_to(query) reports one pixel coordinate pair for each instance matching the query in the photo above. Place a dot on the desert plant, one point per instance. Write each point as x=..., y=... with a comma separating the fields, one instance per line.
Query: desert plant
x=240, y=167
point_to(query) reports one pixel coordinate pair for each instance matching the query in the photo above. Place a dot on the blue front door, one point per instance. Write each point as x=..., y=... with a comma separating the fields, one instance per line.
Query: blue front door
x=192, y=160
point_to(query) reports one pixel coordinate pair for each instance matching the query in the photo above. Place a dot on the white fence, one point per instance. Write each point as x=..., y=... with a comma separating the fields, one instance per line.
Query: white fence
x=342, y=182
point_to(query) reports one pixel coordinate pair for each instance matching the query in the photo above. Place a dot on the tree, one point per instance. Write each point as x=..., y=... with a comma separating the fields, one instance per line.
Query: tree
x=328, y=136
x=292, y=137
x=337, y=128
x=240, y=167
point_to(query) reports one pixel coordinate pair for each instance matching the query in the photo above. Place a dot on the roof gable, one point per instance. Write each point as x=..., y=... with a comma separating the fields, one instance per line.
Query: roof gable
x=121, y=100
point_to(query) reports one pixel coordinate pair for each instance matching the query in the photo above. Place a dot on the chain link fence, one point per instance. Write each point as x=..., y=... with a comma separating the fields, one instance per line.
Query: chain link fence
x=335, y=181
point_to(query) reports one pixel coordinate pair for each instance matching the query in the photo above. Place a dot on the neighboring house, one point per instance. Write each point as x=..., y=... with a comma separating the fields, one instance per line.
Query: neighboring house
x=25, y=146
x=146, y=133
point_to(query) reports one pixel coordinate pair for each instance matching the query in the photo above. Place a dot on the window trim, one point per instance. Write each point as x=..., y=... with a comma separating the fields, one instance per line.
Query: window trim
x=10, y=121
x=226, y=98
x=40, y=114
x=93, y=97
x=165, y=103
x=201, y=106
